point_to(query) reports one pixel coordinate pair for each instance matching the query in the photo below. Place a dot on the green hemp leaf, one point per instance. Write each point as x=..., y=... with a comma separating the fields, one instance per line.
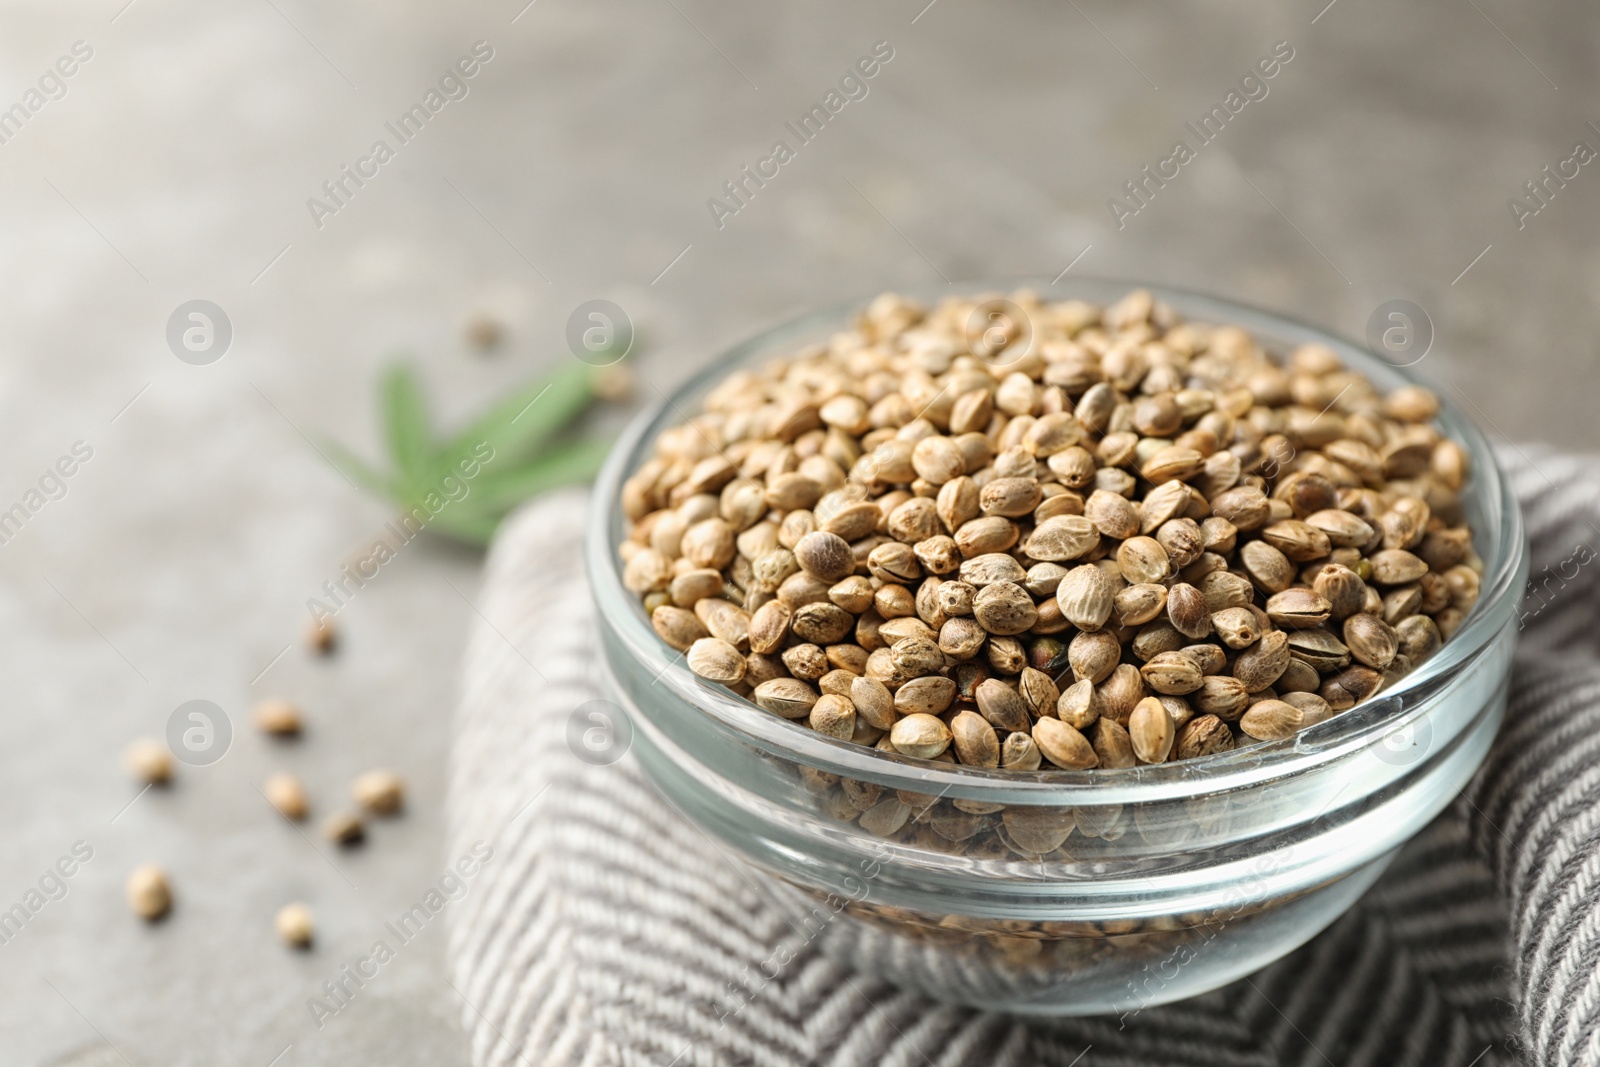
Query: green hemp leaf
x=463, y=486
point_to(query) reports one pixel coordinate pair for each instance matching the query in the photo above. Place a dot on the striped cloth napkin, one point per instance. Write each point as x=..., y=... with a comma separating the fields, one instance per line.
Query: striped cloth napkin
x=606, y=930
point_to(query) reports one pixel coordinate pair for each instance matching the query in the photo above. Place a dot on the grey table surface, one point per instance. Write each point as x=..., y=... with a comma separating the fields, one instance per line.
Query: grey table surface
x=178, y=165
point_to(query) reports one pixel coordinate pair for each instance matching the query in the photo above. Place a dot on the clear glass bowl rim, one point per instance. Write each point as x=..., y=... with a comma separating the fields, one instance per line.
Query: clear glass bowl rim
x=1361, y=728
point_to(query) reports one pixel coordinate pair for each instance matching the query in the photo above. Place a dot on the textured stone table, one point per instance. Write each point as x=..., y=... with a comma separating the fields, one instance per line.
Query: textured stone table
x=576, y=163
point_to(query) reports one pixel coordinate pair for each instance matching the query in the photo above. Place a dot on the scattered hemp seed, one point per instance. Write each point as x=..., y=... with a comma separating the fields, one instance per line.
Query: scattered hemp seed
x=322, y=637
x=380, y=792
x=277, y=717
x=295, y=925
x=284, y=792
x=485, y=332
x=148, y=893
x=1111, y=539
x=148, y=761
x=344, y=828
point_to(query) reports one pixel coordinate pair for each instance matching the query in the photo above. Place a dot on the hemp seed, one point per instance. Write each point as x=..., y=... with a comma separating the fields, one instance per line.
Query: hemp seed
x=295, y=926
x=149, y=895
x=893, y=541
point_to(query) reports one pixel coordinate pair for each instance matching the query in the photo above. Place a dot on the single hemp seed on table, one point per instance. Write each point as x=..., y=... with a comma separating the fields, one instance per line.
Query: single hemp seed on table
x=1115, y=539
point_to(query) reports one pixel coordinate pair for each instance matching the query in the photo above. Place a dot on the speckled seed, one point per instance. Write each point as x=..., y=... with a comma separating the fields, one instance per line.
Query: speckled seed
x=1396, y=566
x=1371, y=640
x=1187, y=611
x=1038, y=691
x=379, y=792
x=1150, y=730
x=148, y=761
x=716, y=660
x=677, y=626
x=1112, y=745
x=1003, y=706
x=920, y=736
x=1143, y=560
x=1086, y=597
x=825, y=556
x=1261, y=664
x=1298, y=608
x=1272, y=720
x=1236, y=627
x=975, y=741
x=1202, y=736
x=1020, y=753
x=277, y=717
x=1136, y=605
x=1172, y=673
x=284, y=792
x=925, y=696
x=1063, y=746
x=790, y=698
x=294, y=925
x=833, y=716
x=1078, y=706
x=1063, y=537
x=148, y=893
x=1005, y=608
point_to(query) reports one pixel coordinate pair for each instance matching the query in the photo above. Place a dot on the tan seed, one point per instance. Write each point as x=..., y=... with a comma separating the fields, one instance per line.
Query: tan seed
x=1086, y=597
x=149, y=895
x=1003, y=706
x=284, y=792
x=1150, y=731
x=920, y=736
x=1005, y=608
x=790, y=698
x=925, y=696
x=277, y=717
x=1396, y=566
x=1203, y=736
x=1263, y=662
x=1235, y=627
x=1272, y=720
x=1078, y=706
x=1371, y=640
x=148, y=761
x=825, y=556
x=1172, y=673
x=1112, y=746
x=1143, y=560
x=380, y=792
x=833, y=716
x=1020, y=753
x=975, y=741
x=1136, y=605
x=716, y=660
x=1063, y=746
x=294, y=925
x=1298, y=608
x=1186, y=609
x=679, y=627
x=1061, y=538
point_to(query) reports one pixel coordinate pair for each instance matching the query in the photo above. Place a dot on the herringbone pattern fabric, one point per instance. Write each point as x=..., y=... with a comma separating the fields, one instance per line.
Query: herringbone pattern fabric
x=608, y=930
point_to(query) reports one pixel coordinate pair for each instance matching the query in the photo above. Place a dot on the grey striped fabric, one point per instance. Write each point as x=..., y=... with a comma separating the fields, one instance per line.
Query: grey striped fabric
x=606, y=930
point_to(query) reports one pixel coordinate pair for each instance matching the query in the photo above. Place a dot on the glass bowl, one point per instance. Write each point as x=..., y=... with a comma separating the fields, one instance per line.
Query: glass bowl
x=1063, y=892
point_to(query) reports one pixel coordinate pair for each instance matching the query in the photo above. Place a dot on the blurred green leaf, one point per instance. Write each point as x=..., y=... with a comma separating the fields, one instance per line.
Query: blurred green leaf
x=356, y=469
x=405, y=419
x=528, y=418
x=528, y=431
x=560, y=464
